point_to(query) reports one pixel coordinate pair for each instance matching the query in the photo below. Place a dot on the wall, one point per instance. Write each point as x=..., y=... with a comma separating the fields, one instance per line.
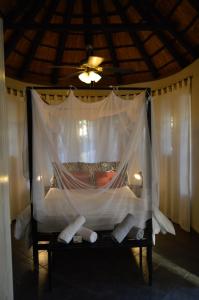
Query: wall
x=192, y=70
x=6, y=286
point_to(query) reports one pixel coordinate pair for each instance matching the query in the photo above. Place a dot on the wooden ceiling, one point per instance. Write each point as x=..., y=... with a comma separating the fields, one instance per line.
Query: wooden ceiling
x=154, y=38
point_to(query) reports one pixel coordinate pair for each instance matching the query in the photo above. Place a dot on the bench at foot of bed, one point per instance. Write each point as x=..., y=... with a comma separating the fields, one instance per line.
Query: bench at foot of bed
x=104, y=240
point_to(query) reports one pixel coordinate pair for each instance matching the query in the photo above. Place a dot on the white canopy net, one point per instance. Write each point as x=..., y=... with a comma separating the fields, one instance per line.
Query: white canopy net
x=94, y=160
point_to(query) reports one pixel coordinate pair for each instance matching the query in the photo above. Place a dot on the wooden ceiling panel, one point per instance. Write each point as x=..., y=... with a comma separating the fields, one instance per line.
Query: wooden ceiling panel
x=183, y=15
x=35, y=66
x=109, y=6
x=121, y=38
x=152, y=44
x=145, y=35
x=193, y=34
x=50, y=38
x=45, y=53
x=73, y=57
x=128, y=53
x=57, y=19
x=135, y=78
x=76, y=20
x=39, y=16
x=170, y=68
x=156, y=38
x=133, y=15
x=162, y=58
x=15, y=60
x=7, y=35
x=96, y=20
x=75, y=41
x=114, y=19
x=29, y=34
x=165, y=6
x=23, y=45
x=78, y=7
x=135, y=66
x=61, y=6
x=99, y=40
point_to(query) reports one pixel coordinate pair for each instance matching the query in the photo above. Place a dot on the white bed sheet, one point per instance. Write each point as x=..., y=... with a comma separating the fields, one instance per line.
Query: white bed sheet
x=55, y=220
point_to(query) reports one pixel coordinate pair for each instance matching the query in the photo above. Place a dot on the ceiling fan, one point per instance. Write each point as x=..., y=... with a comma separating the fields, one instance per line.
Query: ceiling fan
x=90, y=69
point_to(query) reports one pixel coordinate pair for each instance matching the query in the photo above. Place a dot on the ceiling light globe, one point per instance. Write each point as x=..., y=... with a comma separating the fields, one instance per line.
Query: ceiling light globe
x=84, y=77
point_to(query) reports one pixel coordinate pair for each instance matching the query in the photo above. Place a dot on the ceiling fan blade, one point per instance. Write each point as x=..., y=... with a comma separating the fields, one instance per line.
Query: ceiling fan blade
x=118, y=70
x=65, y=67
x=94, y=61
x=70, y=75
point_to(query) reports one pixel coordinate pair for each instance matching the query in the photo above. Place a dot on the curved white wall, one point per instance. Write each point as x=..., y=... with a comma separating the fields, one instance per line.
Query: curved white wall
x=6, y=285
x=192, y=70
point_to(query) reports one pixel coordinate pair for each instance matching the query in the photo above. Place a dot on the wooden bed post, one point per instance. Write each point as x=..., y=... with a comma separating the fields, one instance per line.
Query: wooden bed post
x=150, y=241
x=30, y=160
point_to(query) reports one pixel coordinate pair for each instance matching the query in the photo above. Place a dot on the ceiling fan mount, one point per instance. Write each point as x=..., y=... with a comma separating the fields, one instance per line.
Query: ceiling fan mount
x=90, y=68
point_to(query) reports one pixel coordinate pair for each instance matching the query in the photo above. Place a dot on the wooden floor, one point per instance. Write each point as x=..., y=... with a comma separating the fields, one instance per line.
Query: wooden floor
x=112, y=273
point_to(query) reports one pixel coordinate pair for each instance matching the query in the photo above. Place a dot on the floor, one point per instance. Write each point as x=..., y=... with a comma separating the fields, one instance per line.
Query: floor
x=112, y=274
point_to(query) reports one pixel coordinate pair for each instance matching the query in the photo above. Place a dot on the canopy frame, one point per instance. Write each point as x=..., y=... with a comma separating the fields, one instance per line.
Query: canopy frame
x=38, y=237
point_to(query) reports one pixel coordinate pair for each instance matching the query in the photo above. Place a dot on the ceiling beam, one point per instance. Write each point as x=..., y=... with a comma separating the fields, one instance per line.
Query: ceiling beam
x=175, y=6
x=176, y=34
x=62, y=40
x=115, y=27
x=19, y=10
x=195, y=4
x=136, y=39
x=88, y=39
x=144, y=12
x=18, y=31
x=37, y=39
x=109, y=40
x=106, y=62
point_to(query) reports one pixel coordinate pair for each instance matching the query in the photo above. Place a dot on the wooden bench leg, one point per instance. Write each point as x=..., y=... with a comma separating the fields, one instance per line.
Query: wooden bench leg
x=140, y=258
x=35, y=255
x=149, y=263
x=50, y=268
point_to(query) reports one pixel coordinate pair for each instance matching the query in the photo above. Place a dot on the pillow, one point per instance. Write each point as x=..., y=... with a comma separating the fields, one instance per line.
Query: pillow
x=92, y=168
x=103, y=178
x=71, y=183
x=71, y=166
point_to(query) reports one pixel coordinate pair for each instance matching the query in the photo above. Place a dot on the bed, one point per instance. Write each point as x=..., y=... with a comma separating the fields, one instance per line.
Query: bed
x=46, y=227
x=56, y=220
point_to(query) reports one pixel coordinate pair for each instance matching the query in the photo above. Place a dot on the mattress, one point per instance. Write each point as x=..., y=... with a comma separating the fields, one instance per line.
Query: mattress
x=101, y=210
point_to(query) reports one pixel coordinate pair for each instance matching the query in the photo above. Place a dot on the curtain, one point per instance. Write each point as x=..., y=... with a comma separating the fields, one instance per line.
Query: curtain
x=19, y=192
x=172, y=118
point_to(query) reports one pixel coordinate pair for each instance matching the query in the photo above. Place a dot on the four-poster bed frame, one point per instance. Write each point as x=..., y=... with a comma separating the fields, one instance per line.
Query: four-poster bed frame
x=104, y=237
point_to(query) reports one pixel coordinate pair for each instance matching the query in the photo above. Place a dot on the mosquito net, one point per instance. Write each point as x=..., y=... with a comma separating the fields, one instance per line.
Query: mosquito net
x=92, y=159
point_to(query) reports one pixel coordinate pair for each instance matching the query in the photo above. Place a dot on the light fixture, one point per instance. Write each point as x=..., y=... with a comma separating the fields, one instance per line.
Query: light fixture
x=88, y=77
x=39, y=178
x=3, y=179
x=138, y=179
x=138, y=176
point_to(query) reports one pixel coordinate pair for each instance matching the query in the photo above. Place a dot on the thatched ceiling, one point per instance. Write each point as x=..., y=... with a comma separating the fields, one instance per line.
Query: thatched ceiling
x=154, y=38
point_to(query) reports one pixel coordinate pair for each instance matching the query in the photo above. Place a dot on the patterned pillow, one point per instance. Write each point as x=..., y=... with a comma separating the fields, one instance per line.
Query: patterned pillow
x=102, y=178
x=70, y=183
x=109, y=166
x=72, y=166
x=91, y=169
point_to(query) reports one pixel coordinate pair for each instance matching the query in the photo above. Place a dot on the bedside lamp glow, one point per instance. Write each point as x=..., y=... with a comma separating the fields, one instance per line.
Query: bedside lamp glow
x=138, y=176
